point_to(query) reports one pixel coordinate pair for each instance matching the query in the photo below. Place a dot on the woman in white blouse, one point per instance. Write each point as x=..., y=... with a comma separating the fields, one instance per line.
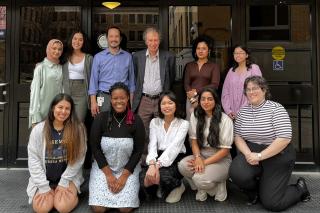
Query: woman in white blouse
x=211, y=134
x=166, y=148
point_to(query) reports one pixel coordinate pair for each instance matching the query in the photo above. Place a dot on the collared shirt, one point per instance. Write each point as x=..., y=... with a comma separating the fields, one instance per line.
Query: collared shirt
x=108, y=69
x=171, y=142
x=46, y=84
x=233, y=97
x=152, y=80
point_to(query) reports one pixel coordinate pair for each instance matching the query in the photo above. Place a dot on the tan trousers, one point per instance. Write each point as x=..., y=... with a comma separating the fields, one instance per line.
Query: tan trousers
x=213, y=173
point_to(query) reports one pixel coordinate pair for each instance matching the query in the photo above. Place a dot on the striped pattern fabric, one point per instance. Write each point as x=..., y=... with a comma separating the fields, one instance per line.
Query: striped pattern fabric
x=264, y=123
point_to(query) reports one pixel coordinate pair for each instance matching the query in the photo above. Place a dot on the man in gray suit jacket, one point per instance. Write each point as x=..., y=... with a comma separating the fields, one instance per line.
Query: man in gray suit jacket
x=154, y=73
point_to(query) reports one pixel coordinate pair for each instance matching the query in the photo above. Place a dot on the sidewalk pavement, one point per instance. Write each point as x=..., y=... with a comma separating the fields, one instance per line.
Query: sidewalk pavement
x=13, y=198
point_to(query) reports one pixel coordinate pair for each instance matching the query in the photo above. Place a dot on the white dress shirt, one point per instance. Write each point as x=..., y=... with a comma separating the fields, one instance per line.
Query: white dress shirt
x=171, y=142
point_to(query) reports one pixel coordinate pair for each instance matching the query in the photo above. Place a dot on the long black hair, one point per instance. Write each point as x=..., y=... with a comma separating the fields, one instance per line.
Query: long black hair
x=249, y=61
x=69, y=49
x=200, y=114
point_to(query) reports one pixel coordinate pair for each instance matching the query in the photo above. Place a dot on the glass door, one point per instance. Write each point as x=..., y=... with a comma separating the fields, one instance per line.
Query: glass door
x=186, y=23
x=36, y=25
x=3, y=87
x=288, y=27
x=132, y=21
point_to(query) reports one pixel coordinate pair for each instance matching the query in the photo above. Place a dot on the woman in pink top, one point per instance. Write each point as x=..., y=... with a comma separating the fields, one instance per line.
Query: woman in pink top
x=232, y=97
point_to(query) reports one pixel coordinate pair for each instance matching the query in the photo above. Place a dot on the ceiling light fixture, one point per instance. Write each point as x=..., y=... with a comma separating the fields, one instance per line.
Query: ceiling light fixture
x=111, y=4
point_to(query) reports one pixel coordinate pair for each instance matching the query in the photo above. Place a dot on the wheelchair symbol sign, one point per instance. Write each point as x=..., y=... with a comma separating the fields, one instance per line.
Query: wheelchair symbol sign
x=278, y=65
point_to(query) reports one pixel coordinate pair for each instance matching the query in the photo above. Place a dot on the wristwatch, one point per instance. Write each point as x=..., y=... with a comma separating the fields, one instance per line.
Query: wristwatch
x=259, y=156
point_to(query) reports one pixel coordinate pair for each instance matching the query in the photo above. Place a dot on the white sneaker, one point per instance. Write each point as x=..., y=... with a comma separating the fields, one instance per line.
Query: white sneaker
x=201, y=195
x=212, y=192
x=191, y=183
x=221, y=193
x=159, y=192
x=175, y=194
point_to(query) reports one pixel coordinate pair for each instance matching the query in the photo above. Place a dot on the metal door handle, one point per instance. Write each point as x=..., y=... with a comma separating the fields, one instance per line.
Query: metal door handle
x=3, y=84
x=3, y=102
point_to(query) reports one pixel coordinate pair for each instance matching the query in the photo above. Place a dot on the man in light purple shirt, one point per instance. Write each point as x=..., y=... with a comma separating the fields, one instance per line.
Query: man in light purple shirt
x=110, y=66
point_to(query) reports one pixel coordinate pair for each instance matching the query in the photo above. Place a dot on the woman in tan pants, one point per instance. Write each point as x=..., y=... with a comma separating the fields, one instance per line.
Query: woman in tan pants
x=211, y=134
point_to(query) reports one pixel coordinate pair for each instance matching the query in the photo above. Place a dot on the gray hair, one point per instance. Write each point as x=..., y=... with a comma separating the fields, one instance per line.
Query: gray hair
x=149, y=30
x=261, y=82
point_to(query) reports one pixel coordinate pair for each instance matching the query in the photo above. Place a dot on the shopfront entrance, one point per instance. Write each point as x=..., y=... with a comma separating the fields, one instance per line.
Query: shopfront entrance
x=26, y=27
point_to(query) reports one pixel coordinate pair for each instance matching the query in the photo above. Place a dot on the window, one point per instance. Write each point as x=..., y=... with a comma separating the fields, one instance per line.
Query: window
x=132, y=18
x=117, y=19
x=269, y=22
x=148, y=19
x=3, y=26
x=103, y=19
x=34, y=38
x=140, y=18
x=155, y=19
x=132, y=35
x=140, y=35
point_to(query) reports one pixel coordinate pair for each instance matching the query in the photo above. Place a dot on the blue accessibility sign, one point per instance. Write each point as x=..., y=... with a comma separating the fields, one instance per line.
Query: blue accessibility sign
x=278, y=65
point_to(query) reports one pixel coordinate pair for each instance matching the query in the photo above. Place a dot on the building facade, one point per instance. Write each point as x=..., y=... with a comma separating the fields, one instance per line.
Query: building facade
x=283, y=36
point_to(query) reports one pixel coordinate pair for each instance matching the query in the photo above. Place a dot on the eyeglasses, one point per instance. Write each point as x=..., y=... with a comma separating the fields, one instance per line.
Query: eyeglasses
x=251, y=90
x=239, y=53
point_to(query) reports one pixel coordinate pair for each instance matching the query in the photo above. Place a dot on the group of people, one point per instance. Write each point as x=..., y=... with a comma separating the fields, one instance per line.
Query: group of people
x=140, y=136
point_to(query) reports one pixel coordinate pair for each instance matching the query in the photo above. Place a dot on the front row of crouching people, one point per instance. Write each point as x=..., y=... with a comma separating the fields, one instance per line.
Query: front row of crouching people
x=261, y=169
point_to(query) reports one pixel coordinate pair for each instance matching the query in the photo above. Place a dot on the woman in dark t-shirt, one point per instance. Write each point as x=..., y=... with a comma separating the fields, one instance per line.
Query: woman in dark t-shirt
x=56, y=152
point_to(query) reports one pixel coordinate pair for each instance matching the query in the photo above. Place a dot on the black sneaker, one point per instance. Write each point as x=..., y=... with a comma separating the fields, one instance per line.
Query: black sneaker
x=253, y=200
x=302, y=186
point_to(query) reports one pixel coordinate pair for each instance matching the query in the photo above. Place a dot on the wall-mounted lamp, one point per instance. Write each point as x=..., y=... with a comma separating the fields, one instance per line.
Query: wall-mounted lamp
x=111, y=4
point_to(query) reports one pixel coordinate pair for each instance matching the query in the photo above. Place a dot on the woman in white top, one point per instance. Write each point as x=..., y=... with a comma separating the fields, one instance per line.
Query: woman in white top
x=211, y=134
x=76, y=72
x=166, y=148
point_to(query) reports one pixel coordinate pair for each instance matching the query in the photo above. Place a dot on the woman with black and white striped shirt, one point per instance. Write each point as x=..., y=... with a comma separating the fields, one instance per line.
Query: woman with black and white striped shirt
x=266, y=160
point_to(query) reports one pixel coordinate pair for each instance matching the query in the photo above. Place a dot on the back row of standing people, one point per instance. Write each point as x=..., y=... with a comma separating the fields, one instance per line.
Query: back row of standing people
x=146, y=74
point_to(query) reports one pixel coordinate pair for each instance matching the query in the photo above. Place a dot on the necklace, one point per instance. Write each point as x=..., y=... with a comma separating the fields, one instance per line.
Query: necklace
x=60, y=131
x=119, y=122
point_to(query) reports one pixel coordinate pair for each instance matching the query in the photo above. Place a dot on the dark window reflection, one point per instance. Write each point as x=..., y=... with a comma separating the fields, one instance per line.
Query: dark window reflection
x=53, y=22
x=269, y=35
x=3, y=19
x=262, y=16
x=131, y=20
x=282, y=13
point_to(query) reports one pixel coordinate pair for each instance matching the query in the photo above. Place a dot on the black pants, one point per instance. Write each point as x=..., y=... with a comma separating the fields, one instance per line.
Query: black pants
x=269, y=179
x=170, y=178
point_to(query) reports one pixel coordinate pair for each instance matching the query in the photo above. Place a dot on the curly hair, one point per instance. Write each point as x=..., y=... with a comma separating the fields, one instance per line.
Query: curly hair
x=261, y=82
x=129, y=114
x=202, y=38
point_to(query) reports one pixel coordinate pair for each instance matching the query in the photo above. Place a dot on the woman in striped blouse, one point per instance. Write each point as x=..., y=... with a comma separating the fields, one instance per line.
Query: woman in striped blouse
x=266, y=160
